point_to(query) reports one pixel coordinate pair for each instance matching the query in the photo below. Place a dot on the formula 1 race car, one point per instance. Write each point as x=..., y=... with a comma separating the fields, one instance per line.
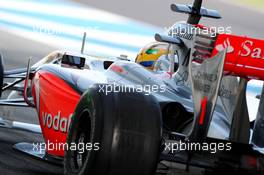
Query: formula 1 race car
x=106, y=116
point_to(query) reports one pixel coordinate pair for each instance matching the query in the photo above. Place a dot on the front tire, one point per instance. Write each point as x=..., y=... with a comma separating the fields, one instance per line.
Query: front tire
x=127, y=127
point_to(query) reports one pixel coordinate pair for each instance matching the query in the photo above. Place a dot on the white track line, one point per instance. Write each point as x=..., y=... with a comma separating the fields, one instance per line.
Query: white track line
x=62, y=43
x=63, y=10
x=40, y=26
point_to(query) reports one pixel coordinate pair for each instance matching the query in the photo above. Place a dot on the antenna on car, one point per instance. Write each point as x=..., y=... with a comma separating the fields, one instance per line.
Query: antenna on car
x=195, y=17
x=1, y=73
x=195, y=11
x=83, y=42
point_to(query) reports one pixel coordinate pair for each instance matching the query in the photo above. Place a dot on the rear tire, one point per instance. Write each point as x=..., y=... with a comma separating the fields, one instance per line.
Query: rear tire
x=127, y=127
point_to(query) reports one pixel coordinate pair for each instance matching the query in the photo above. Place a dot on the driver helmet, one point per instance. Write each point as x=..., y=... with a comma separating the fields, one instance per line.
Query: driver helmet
x=149, y=54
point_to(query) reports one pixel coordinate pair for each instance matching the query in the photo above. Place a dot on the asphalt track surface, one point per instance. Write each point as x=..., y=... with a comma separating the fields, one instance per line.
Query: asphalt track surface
x=243, y=21
x=13, y=162
x=16, y=51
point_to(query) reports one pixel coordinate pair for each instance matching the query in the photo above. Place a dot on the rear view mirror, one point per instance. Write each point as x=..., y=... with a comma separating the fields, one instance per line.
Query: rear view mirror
x=70, y=60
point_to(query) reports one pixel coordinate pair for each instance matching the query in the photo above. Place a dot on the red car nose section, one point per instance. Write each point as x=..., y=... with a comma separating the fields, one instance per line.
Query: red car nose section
x=57, y=101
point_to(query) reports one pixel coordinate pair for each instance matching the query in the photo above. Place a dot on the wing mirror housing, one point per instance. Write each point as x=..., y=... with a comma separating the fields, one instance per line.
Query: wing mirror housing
x=74, y=61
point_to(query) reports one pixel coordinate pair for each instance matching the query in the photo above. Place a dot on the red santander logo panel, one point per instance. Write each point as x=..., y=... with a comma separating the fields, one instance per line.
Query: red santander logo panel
x=245, y=56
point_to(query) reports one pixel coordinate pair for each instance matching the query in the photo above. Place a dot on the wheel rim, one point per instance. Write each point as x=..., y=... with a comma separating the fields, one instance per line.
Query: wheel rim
x=80, y=156
x=82, y=135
